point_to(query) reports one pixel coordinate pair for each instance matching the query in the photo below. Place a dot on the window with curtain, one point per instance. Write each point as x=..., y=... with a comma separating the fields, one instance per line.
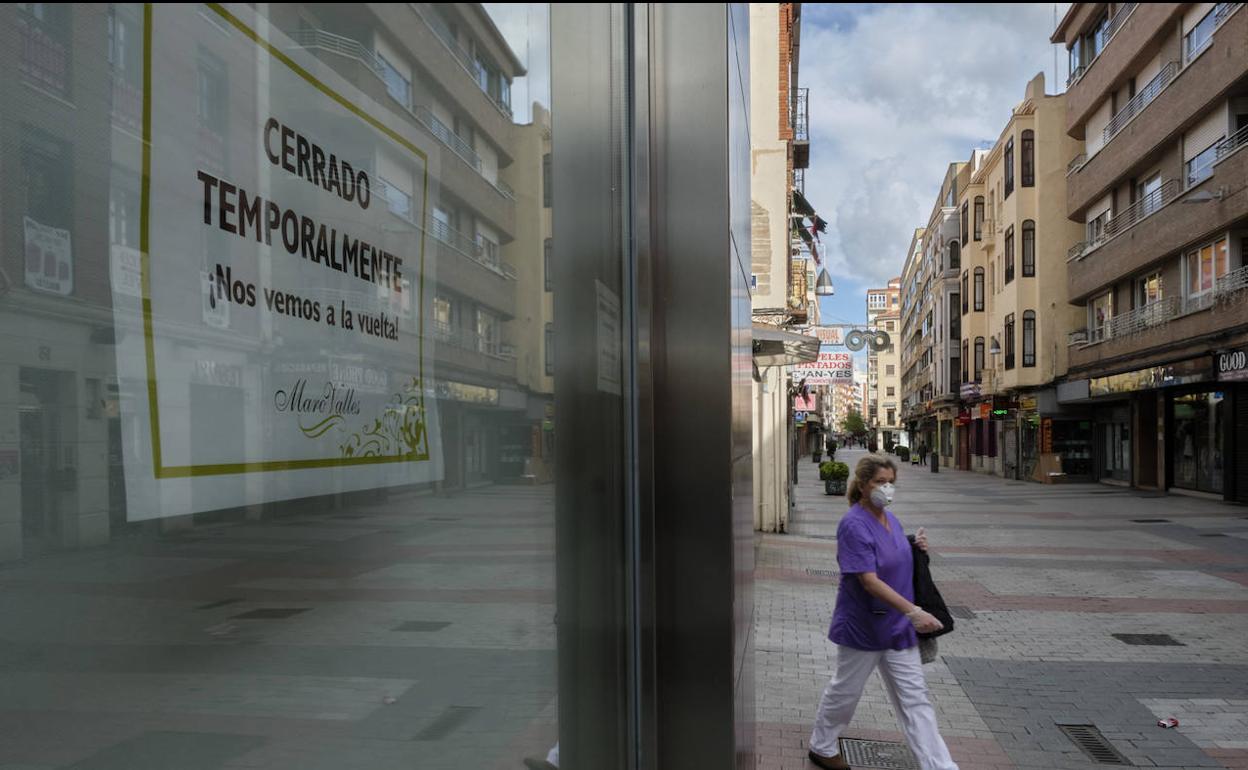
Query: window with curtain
x=979, y=359
x=966, y=294
x=1029, y=249
x=1029, y=158
x=966, y=346
x=1029, y=338
x=979, y=290
x=979, y=217
x=965, y=222
x=955, y=255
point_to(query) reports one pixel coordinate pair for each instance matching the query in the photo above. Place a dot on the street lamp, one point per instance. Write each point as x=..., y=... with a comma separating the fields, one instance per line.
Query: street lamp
x=823, y=286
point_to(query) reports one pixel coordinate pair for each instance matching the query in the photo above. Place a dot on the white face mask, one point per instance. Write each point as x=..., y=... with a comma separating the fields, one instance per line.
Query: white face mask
x=882, y=495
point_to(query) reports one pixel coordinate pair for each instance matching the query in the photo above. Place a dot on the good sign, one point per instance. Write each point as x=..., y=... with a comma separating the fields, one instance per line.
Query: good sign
x=1232, y=365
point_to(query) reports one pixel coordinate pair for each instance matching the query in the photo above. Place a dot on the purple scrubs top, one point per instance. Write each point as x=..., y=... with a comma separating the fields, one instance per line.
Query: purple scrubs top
x=864, y=545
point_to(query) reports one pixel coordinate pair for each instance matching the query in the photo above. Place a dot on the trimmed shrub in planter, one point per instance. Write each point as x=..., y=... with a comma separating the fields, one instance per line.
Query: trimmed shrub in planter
x=834, y=476
x=903, y=454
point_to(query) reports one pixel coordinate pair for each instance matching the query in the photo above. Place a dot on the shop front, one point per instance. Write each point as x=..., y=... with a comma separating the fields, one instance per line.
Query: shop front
x=1231, y=372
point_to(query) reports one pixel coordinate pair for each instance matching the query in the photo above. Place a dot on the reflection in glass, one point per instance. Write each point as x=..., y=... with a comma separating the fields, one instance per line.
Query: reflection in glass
x=235, y=525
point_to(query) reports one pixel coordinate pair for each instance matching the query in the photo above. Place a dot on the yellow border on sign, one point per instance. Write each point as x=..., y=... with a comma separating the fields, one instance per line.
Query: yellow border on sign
x=185, y=471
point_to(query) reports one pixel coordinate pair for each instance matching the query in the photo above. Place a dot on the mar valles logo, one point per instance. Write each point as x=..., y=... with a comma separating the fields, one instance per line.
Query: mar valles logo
x=877, y=340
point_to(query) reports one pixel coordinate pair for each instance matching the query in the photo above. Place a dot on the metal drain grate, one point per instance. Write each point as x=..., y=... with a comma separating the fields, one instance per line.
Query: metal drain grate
x=1214, y=534
x=1091, y=742
x=1151, y=521
x=214, y=605
x=963, y=613
x=877, y=754
x=1149, y=640
x=826, y=573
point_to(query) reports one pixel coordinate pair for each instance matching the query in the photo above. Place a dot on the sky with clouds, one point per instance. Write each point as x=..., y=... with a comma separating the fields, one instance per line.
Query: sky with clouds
x=897, y=92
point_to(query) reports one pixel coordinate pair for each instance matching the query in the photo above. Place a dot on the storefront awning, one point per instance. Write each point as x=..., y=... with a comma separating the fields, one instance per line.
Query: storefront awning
x=773, y=347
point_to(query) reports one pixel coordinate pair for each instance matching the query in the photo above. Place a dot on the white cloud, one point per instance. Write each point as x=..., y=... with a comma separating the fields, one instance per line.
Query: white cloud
x=897, y=92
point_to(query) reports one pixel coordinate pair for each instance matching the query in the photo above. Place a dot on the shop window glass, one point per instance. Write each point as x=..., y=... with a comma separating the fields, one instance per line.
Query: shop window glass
x=277, y=406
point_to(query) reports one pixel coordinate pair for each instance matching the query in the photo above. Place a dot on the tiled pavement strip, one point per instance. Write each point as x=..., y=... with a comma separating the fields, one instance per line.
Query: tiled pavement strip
x=1051, y=573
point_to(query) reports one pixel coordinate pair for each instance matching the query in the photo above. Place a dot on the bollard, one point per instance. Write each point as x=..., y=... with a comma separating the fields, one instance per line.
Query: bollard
x=935, y=463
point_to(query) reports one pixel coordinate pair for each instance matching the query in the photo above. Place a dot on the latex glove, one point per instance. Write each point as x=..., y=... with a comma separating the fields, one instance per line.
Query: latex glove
x=920, y=539
x=923, y=621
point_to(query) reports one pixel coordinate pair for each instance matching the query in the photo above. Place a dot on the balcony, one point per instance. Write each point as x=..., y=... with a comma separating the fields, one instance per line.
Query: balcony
x=1230, y=145
x=466, y=349
x=1103, y=38
x=462, y=56
x=1128, y=34
x=1149, y=337
x=353, y=50
x=1150, y=231
x=44, y=58
x=1105, y=228
x=800, y=111
x=1142, y=99
x=1143, y=318
x=1231, y=284
x=1208, y=78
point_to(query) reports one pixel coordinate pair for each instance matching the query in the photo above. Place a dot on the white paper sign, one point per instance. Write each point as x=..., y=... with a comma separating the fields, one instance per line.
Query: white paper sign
x=276, y=351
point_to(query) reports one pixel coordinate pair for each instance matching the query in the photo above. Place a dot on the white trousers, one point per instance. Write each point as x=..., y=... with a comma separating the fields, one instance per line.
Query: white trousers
x=902, y=673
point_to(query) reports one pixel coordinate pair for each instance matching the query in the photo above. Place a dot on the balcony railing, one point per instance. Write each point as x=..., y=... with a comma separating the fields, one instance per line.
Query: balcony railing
x=1077, y=337
x=470, y=340
x=462, y=56
x=1106, y=227
x=799, y=180
x=1144, y=318
x=1141, y=100
x=1076, y=163
x=801, y=104
x=1103, y=38
x=1223, y=11
x=446, y=136
x=1230, y=144
x=1232, y=283
x=1143, y=208
x=471, y=248
x=44, y=57
x=319, y=39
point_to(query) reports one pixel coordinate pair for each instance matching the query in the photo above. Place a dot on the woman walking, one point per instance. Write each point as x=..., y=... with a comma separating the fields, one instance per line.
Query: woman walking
x=875, y=624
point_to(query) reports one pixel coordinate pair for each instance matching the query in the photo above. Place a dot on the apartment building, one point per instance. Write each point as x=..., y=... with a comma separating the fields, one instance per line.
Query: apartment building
x=1158, y=100
x=881, y=302
x=781, y=288
x=1016, y=318
x=532, y=330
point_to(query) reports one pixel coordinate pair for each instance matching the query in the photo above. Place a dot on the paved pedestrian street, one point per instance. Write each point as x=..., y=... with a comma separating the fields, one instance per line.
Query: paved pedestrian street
x=1075, y=604
x=412, y=632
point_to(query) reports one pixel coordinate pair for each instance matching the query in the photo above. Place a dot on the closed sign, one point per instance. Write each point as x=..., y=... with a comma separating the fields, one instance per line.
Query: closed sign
x=1231, y=365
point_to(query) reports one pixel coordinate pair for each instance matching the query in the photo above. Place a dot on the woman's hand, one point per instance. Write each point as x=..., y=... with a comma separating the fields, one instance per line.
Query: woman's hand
x=923, y=621
x=920, y=539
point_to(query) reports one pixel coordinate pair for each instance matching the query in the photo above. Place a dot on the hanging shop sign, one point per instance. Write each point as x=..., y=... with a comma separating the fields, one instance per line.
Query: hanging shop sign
x=828, y=369
x=1231, y=366
x=278, y=242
